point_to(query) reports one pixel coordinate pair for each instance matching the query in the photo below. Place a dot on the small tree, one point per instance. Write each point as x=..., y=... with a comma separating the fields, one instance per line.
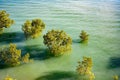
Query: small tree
x=84, y=69
x=83, y=36
x=8, y=78
x=34, y=28
x=11, y=56
x=5, y=21
x=57, y=41
x=115, y=77
x=25, y=58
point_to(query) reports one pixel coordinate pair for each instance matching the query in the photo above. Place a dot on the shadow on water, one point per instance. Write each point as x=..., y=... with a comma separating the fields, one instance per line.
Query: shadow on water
x=3, y=66
x=36, y=52
x=79, y=41
x=76, y=40
x=12, y=37
x=114, y=62
x=58, y=75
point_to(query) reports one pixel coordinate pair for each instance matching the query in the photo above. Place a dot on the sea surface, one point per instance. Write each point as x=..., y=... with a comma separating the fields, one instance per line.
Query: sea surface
x=99, y=18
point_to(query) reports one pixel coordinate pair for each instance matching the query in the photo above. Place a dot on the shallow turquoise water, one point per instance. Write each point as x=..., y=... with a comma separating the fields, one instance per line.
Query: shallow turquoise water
x=100, y=18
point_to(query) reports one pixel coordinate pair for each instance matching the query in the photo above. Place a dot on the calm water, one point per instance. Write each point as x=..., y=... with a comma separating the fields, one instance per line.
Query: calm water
x=100, y=18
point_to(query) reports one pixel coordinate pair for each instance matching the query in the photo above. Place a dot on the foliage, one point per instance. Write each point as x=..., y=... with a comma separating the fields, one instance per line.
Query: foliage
x=83, y=36
x=34, y=28
x=84, y=69
x=25, y=58
x=1, y=30
x=9, y=78
x=5, y=21
x=115, y=77
x=11, y=56
x=57, y=41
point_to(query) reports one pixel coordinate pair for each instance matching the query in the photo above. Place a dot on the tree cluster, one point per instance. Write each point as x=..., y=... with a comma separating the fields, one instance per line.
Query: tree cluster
x=11, y=56
x=84, y=69
x=57, y=41
x=5, y=21
x=34, y=28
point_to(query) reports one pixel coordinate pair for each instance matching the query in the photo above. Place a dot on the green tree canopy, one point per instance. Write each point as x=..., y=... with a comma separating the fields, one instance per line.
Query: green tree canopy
x=34, y=28
x=57, y=41
x=5, y=21
x=83, y=36
x=84, y=69
x=11, y=56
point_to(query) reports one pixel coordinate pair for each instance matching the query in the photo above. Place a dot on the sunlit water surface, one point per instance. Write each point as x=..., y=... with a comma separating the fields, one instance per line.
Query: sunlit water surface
x=100, y=18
